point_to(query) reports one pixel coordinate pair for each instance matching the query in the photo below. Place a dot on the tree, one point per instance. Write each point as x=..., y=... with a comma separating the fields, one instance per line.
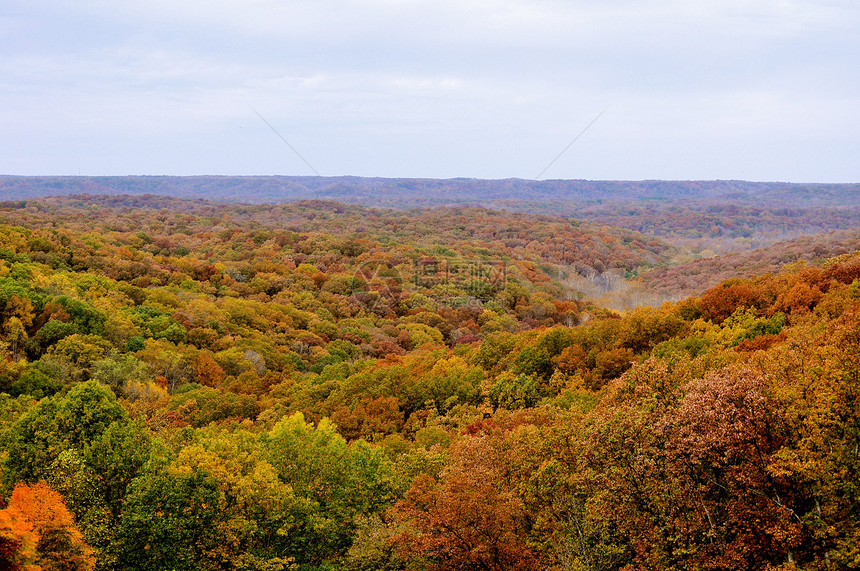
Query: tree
x=338, y=481
x=36, y=383
x=37, y=514
x=258, y=513
x=169, y=521
x=16, y=335
x=207, y=371
x=47, y=335
x=17, y=542
x=118, y=371
x=468, y=518
x=204, y=405
x=720, y=302
x=721, y=442
x=82, y=350
x=76, y=421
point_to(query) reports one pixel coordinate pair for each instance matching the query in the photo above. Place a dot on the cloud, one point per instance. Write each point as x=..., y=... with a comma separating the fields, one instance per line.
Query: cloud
x=434, y=88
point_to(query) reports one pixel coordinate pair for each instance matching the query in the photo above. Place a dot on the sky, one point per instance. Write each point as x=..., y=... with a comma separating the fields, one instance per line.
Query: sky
x=764, y=90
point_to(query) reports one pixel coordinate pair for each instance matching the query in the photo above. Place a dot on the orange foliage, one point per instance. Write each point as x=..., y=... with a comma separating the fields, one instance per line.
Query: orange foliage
x=207, y=371
x=17, y=542
x=800, y=298
x=369, y=418
x=720, y=302
x=761, y=342
x=468, y=519
x=571, y=359
x=37, y=532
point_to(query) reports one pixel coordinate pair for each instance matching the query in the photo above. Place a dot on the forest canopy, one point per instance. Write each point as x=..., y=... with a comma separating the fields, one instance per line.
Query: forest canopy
x=318, y=386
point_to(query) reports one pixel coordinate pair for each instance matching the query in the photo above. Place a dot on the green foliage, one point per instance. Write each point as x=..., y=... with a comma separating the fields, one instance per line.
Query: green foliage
x=135, y=343
x=556, y=340
x=691, y=346
x=169, y=521
x=117, y=456
x=82, y=350
x=644, y=328
x=495, y=348
x=35, y=383
x=533, y=361
x=339, y=481
x=759, y=327
x=203, y=405
x=515, y=391
x=12, y=287
x=452, y=381
x=88, y=319
x=116, y=371
x=74, y=421
x=32, y=443
x=49, y=334
x=854, y=288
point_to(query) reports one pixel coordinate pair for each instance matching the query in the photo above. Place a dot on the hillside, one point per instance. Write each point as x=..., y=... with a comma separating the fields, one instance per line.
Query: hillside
x=693, y=278
x=475, y=232
x=719, y=215
x=191, y=385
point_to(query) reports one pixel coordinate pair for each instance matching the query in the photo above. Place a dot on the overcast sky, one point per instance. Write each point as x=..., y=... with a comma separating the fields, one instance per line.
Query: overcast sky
x=692, y=89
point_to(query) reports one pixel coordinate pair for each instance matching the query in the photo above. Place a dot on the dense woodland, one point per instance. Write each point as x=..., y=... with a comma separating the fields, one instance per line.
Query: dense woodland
x=694, y=277
x=189, y=385
x=722, y=215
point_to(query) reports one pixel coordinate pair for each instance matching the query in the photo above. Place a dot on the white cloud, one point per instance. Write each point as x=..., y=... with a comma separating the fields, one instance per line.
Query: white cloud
x=434, y=88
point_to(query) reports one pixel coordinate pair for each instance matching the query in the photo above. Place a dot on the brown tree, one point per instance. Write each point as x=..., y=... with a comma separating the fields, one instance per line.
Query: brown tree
x=471, y=517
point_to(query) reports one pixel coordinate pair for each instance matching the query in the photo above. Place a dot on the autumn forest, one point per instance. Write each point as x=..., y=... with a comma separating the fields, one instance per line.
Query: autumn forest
x=191, y=384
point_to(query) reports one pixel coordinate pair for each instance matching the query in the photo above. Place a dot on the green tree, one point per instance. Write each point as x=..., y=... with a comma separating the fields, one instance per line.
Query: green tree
x=74, y=421
x=339, y=481
x=169, y=522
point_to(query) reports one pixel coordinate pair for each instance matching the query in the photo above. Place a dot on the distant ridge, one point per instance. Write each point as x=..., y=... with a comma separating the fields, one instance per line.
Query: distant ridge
x=730, y=215
x=516, y=194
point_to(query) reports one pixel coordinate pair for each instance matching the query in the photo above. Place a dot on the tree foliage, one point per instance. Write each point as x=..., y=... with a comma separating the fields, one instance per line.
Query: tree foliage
x=317, y=386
